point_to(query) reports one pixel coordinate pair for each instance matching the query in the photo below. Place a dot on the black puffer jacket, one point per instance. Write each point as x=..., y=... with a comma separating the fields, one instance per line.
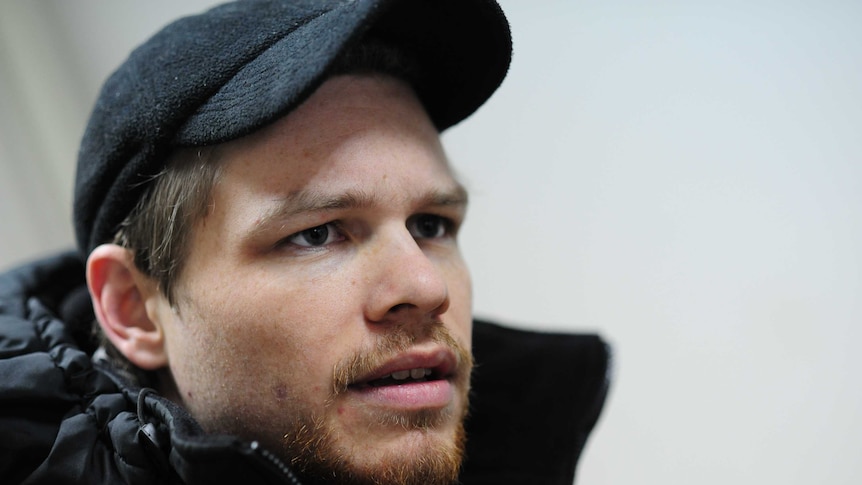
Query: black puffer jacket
x=65, y=419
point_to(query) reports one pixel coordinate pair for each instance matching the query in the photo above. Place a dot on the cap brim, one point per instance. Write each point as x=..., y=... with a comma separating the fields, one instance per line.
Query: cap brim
x=463, y=48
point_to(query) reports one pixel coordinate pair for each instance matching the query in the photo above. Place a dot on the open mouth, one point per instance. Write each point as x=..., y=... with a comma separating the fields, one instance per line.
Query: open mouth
x=403, y=377
x=410, y=368
x=415, y=380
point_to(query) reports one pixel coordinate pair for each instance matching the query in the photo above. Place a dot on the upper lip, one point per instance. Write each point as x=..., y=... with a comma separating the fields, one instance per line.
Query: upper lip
x=441, y=360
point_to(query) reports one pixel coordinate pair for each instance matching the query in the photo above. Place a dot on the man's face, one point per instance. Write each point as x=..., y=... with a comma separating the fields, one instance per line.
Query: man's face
x=325, y=305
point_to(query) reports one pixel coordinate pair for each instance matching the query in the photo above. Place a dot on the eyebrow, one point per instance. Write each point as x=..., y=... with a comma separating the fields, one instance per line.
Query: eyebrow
x=310, y=201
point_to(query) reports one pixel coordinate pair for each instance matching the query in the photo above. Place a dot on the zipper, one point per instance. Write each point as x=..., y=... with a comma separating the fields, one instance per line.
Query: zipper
x=274, y=462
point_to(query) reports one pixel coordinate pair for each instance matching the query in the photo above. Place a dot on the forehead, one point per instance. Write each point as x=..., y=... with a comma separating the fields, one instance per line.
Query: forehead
x=351, y=128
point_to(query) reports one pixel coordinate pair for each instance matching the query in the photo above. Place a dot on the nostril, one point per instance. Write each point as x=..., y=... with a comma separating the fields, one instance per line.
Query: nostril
x=399, y=307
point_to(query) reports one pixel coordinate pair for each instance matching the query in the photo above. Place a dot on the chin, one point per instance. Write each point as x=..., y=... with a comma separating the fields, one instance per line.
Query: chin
x=402, y=452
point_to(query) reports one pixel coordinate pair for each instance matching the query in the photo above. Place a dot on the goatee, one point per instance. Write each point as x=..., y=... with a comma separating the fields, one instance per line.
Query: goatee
x=312, y=449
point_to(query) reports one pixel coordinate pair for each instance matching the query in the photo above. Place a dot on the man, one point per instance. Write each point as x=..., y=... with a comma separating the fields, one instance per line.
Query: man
x=270, y=228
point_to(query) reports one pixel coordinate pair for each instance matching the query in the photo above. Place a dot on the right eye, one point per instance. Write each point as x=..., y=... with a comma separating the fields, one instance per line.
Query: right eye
x=316, y=236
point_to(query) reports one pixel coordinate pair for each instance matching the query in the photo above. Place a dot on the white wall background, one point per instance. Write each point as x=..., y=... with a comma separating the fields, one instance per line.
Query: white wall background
x=682, y=176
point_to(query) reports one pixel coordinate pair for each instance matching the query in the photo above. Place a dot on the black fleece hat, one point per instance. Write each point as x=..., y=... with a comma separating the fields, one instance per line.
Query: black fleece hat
x=225, y=73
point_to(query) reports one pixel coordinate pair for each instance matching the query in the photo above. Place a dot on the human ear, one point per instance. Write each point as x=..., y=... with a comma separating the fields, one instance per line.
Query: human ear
x=120, y=293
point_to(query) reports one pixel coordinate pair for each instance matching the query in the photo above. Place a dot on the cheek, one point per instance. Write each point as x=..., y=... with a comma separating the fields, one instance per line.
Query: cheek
x=274, y=332
x=460, y=290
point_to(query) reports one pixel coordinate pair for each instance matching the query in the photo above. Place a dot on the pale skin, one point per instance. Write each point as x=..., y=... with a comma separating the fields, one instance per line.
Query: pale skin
x=329, y=230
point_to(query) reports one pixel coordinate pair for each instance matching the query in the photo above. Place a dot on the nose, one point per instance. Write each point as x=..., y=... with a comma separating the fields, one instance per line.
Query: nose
x=406, y=284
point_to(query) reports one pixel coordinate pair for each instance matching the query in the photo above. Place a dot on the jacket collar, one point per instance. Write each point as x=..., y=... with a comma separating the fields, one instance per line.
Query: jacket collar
x=536, y=397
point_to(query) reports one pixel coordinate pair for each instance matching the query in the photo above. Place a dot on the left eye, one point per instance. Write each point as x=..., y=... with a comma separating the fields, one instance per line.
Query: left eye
x=428, y=226
x=316, y=236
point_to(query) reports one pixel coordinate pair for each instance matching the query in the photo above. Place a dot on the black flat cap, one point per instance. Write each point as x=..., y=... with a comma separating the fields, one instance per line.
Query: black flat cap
x=225, y=73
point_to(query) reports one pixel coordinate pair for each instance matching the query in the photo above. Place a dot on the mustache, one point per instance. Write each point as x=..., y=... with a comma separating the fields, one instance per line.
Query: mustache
x=392, y=343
